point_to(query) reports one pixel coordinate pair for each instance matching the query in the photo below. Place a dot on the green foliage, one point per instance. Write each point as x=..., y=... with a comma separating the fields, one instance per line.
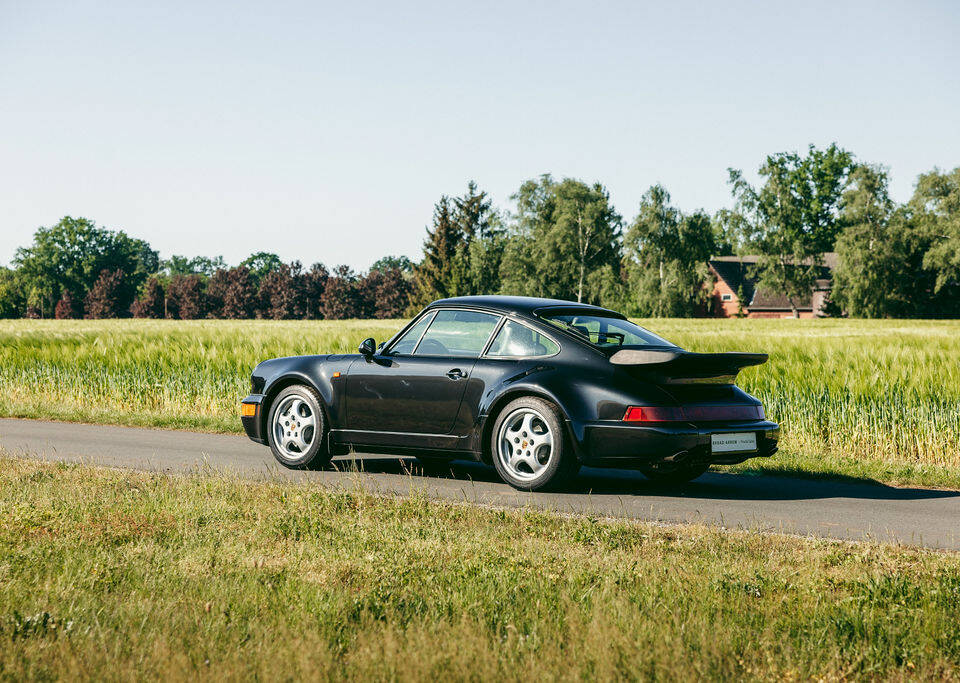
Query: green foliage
x=665, y=255
x=261, y=263
x=71, y=256
x=564, y=232
x=463, y=249
x=878, y=249
x=13, y=302
x=435, y=273
x=387, y=263
x=937, y=200
x=198, y=265
x=794, y=217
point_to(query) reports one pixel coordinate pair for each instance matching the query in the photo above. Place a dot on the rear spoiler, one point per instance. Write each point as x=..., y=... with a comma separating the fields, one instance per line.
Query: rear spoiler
x=669, y=366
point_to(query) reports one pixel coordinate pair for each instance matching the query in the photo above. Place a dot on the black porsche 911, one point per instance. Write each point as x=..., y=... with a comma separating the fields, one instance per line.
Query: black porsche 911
x=535, y=387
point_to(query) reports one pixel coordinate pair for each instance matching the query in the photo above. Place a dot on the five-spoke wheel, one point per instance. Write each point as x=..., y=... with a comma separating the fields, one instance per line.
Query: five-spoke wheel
x=529, y=447
x=296, y=428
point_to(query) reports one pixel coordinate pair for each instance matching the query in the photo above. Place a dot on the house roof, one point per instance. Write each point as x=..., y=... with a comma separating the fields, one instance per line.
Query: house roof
x=734, y=271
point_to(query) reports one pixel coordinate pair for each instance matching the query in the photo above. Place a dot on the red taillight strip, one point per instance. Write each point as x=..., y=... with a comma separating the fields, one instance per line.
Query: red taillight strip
x=692, y=413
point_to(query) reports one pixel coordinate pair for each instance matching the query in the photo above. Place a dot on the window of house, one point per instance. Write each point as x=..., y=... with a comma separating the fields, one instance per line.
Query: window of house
x=726, y=297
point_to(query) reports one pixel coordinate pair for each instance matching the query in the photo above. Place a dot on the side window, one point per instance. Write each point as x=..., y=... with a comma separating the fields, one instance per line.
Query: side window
x=516, y=340
x=408, y=342
x=457, y=333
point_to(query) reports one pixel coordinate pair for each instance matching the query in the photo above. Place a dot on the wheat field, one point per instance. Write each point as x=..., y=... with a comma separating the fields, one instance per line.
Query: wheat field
x=877, y=399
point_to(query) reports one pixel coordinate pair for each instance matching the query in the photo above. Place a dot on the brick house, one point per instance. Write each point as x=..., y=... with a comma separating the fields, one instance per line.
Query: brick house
x=735, y=292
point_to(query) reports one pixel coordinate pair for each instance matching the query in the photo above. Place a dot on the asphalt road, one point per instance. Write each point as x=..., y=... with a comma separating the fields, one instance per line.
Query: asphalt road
x=853, y=511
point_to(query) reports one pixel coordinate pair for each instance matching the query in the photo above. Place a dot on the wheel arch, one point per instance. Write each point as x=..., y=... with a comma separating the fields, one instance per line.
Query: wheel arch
x=497, y=405
x=281, y=383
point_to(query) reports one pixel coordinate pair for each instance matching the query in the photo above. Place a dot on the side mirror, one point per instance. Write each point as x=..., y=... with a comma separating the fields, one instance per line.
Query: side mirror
x=367, y=347
x=380, y=346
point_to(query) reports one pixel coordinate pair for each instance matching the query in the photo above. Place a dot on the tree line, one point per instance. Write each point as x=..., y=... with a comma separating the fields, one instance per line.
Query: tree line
x=563, y=239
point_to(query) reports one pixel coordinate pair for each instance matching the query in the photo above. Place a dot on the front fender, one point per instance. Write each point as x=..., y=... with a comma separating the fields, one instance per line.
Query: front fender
x=316, y=372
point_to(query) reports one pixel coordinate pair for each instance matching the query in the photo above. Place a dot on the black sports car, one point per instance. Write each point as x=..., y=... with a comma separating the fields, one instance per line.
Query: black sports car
x=536, y=387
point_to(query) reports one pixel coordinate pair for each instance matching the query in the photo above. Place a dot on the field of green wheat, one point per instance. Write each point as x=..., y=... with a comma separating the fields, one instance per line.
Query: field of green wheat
x=875, y=399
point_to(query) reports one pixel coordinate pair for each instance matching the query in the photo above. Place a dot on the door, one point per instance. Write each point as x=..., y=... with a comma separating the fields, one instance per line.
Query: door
x=416, y=386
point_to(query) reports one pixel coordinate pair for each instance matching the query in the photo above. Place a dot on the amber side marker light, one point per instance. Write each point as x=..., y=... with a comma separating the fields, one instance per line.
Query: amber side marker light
x=248, y=409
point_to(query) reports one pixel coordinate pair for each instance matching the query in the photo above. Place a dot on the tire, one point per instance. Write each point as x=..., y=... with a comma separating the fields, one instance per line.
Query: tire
x=681, y=475
x=529, y=446
x=298, y=442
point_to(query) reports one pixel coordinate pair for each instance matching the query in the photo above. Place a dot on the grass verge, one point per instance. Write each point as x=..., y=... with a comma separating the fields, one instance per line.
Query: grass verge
x=121, y=575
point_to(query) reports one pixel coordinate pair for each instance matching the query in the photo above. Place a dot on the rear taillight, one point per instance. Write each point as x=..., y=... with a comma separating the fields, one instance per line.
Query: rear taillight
x=652, y=414
x=692, y=413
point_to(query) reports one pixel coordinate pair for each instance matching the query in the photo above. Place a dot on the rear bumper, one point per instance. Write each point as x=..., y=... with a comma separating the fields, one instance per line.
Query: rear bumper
x=615, y=444
x=252, y=424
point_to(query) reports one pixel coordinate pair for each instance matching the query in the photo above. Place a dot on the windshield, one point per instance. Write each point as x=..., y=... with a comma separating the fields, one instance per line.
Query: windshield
x=604, y=331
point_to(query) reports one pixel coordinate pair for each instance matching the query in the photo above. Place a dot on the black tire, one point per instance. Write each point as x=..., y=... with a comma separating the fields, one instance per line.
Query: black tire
x=675, y=477
x=314, y=454
x=559, y=462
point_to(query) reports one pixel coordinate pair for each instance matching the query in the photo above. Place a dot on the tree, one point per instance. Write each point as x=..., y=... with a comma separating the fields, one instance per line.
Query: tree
x=385, y=263
x=314, y=285
x=185, y=297
x=150, y=303
x=387, y=292
x=563, y=233
x=937, y=202
x=794, y=217
x=12, y=300
x=261, y=263
x=66, y=308
x=215, y=293
x=666, y=256
x=240, y=298
x=198, y=265
x=106, y=299
x=282, y=293
x=342, y=295
x=873, y=278
x=72, y=255
x=435, y=272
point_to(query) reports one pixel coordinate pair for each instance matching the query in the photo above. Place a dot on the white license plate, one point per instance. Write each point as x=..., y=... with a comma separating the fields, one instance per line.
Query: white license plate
x=730, y=443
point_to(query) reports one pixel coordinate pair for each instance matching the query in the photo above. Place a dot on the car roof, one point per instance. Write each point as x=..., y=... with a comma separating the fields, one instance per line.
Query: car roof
x=524, y=305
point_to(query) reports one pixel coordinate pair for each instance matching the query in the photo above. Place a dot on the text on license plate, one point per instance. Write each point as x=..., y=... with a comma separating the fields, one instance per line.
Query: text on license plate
x=726, y=443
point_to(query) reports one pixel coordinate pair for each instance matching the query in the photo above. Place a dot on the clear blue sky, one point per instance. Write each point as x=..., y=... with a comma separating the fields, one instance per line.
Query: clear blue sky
x=326, y=132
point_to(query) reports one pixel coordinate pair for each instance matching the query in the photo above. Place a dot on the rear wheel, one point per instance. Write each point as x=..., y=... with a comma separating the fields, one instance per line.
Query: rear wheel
x=529, y=447
x=679, y=475
x=296, y=429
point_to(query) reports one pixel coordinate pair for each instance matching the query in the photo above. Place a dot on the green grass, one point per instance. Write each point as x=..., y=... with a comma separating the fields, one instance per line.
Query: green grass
x=115, y=575
x=875, y=399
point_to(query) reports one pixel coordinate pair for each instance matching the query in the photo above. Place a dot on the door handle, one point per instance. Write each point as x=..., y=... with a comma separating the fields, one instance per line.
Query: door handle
x=456, y=373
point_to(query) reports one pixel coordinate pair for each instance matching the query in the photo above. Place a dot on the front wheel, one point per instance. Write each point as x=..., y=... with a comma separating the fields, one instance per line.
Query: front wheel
x=529, y=447
x=296, y=429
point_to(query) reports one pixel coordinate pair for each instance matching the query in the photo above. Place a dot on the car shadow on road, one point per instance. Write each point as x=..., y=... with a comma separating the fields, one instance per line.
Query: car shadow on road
x=616, y=482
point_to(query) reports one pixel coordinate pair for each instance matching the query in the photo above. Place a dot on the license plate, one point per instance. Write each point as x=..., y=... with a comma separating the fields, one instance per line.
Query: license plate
x=730, y=443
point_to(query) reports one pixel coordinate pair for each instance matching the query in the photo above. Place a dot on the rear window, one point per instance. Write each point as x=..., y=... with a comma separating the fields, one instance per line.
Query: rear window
x=519, y=341
x=604, y=331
